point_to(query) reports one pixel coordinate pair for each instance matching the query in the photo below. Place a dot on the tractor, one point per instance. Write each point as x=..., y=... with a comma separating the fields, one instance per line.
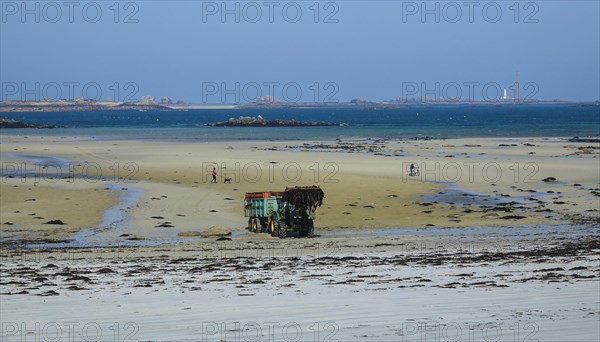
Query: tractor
x=283, y=213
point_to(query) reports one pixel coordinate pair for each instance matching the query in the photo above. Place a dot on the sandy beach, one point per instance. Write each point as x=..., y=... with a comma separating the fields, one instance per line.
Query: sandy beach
x=480, y=246
x=299, y=171
x=455, y=285
x=366, y=183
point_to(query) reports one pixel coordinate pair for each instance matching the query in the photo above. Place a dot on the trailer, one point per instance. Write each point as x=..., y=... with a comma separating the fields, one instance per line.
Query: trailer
x=283, y=213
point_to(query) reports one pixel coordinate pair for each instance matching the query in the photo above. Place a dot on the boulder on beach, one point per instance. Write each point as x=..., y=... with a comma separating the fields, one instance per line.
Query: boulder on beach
x=189, y=233
x=216, y=231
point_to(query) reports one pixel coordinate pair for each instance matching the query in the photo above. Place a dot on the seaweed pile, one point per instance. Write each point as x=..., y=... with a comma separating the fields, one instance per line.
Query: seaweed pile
x=304, y=197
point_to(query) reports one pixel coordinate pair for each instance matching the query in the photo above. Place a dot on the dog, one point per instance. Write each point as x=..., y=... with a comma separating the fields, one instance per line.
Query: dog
x=227, y=180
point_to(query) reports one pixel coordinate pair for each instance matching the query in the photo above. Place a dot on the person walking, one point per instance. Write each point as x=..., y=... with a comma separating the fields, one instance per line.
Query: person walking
x=214, y=175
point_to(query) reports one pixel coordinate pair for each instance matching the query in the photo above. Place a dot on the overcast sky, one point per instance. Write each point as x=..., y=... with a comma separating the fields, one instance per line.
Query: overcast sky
x=201, y=52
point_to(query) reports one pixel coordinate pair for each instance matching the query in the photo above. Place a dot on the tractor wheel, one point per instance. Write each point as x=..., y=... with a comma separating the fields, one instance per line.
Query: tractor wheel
x=257, y=226
x=281, y=230
x=311, y=229
x=250, y=222
x=273, y=227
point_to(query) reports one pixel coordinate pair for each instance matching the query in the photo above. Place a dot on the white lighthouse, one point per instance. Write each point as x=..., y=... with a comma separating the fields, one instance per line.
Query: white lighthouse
x=505, y=94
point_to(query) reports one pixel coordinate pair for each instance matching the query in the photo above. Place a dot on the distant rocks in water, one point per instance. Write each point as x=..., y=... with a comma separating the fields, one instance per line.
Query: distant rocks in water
x=585, y=139
x=359, y=100
x=259, y=121
x=140, y=106
x=550, y=180
x=11, y=123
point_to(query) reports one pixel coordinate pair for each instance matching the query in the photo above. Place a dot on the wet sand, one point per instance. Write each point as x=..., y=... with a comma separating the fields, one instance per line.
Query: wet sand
x=462, y=183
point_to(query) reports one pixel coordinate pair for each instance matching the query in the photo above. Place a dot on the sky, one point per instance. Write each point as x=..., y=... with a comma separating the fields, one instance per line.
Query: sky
x=216, y=52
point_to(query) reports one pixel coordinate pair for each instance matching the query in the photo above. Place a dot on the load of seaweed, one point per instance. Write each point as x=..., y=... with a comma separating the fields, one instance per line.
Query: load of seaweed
x=304, y=197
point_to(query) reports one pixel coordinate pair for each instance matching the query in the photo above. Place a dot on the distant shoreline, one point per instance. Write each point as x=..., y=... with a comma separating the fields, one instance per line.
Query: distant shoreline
x=91, y=105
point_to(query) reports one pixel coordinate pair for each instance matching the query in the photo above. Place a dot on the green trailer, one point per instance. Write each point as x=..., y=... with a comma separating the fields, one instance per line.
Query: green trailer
x=283, y=213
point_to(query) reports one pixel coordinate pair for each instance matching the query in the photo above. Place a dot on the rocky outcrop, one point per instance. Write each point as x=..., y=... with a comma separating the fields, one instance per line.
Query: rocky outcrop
x=11, y=123
x=259, y=121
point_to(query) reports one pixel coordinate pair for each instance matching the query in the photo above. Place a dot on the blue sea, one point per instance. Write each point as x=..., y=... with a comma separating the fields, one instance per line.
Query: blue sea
x=438, y=121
